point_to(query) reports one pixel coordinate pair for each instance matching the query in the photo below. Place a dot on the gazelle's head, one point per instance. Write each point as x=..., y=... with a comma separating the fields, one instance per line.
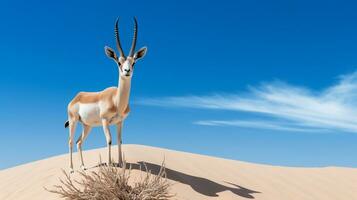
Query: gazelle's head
x=126, y=64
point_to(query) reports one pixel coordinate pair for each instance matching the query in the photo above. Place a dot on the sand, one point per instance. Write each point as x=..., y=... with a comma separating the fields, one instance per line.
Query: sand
x=194, y=177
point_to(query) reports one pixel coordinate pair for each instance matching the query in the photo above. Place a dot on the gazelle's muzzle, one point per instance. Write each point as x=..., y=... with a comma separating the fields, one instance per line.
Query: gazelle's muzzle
x=126, y=69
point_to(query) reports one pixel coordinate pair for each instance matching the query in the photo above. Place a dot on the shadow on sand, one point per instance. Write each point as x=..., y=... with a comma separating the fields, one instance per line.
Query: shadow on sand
x=201, y=185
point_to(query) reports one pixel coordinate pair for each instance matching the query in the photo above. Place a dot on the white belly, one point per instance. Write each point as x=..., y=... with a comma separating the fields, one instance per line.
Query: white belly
x=90, y=114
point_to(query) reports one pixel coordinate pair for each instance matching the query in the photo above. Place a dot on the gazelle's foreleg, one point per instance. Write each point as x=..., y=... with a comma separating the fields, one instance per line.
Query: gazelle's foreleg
x=72, y=130
x=119, y=140
x=108, y=137
x=80, y=141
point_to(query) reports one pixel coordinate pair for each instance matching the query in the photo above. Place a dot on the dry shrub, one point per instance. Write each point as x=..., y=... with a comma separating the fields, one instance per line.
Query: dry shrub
x=112, y=183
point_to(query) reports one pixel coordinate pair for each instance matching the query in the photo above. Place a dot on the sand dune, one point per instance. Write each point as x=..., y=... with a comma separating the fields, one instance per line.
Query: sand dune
x=194, y=177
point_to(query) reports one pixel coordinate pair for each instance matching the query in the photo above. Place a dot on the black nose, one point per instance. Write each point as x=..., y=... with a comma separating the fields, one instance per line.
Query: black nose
x=127, y=70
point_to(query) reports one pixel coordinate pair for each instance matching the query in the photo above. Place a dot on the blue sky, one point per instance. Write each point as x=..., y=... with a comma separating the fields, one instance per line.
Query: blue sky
x=260, y=81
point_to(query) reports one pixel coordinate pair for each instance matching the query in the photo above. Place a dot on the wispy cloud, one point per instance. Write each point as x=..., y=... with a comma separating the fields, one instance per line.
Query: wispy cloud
x=333, y=108
x=258, y=124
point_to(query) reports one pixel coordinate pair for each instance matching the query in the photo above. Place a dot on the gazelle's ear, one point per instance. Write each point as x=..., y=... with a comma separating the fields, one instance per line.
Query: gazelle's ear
x=140, y=54
x=110, y=53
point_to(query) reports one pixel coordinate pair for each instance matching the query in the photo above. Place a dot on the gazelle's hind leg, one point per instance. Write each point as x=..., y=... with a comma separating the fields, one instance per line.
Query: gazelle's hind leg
x=108, y=137
x=72, y=130
x=80, y=141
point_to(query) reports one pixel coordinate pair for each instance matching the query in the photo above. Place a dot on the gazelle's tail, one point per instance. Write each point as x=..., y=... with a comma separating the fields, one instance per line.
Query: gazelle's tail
x=66, y=124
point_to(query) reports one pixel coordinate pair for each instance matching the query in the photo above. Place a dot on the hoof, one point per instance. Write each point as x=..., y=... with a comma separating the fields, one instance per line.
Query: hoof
x=71, y=171
x=83, y=168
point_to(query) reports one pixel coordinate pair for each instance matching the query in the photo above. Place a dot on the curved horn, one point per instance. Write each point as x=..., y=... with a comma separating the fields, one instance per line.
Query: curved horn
x=118, y=39
x=133, y=44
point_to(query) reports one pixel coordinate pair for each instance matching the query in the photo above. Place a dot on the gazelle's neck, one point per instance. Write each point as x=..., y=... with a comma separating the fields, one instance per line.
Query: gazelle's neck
x=122, y=98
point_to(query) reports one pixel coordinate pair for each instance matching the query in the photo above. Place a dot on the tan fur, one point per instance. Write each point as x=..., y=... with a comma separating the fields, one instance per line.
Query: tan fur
x=107, y=96
x=91, y=97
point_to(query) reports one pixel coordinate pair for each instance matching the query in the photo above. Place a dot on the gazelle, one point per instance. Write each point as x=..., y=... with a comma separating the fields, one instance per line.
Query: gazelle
x=107, y=107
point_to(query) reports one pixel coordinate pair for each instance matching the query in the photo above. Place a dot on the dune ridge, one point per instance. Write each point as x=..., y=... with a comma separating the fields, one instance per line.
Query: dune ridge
x=194, y=177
